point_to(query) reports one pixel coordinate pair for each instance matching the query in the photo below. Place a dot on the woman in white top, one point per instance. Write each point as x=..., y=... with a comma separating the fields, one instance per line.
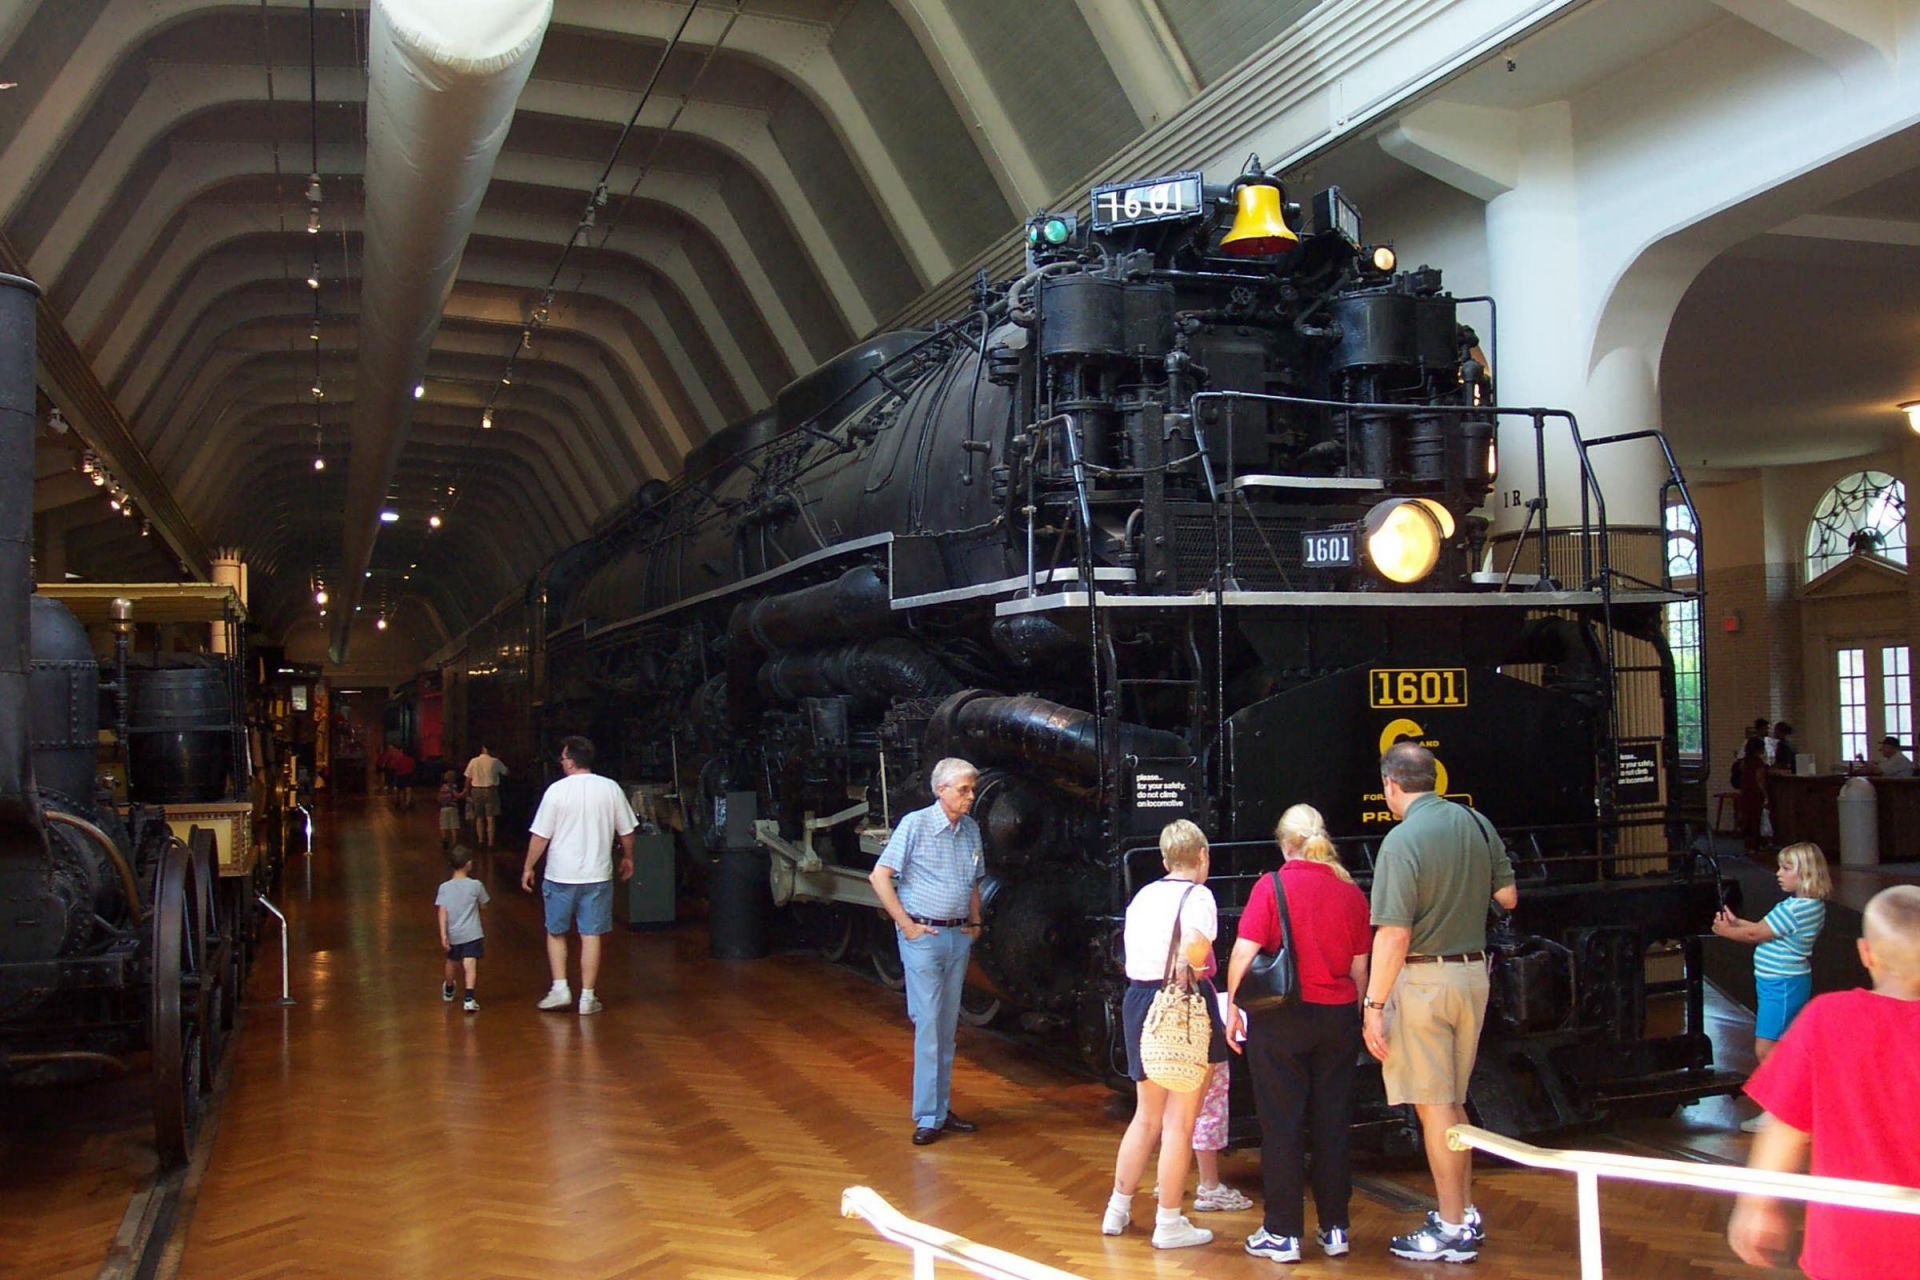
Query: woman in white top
x=1160, y=1113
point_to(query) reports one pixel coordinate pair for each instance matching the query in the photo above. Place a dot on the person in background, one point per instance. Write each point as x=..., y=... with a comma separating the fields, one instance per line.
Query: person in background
x=1838, y=1085
x=484, y=772
x=1302, y=1054
x=1432, y=880
x=1175, y=913
x=1783, y=752
x=450, y=797
x=1894, y=763
x=936, y=855
x=1783, y=946
x=399, y=766
x=580, y=817
x=1751, y=803
x=458, y=905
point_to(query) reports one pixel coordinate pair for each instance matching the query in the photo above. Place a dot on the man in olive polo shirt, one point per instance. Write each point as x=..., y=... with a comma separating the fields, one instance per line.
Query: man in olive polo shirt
x=1431, y=882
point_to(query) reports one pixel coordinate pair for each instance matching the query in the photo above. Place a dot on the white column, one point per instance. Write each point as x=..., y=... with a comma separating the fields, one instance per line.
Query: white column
x=1544, y=355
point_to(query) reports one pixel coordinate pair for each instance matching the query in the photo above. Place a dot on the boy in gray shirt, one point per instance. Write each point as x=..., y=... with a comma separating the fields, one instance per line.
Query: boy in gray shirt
x=459, y=902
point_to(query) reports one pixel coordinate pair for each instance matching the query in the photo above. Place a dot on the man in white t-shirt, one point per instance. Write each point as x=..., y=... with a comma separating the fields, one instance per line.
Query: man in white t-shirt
x=574, y=829
x=484, y=772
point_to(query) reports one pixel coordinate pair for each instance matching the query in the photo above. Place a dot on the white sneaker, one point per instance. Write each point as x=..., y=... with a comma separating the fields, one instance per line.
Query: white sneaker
x=471, y=1005
x=1754, y=1125
x=1180, y=1234
x=589, y=1004
x=558, y=998
x=1114, y=1221
x=1220, y=1199
x=1264, y=1244
x=1334, y=1241
x=447, y=992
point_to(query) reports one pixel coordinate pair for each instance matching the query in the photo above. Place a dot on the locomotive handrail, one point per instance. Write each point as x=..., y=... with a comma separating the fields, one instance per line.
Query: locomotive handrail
x=112, y=850
x=1588, y=1167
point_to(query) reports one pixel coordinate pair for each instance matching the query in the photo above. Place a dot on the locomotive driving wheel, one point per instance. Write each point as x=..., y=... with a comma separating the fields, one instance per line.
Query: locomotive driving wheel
x=885, y=950
x=185, y=1011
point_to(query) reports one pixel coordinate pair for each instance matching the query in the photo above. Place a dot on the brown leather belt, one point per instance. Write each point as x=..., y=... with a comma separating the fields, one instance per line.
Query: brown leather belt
x=1458, y=957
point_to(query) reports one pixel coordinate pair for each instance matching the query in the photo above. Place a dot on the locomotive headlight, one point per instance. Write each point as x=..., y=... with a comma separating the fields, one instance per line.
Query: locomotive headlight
x=1403, y=539
x=1383, y=258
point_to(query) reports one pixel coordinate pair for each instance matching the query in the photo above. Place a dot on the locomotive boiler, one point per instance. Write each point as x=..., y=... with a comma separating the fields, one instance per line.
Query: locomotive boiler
x=1186, y=520
x=118, y=937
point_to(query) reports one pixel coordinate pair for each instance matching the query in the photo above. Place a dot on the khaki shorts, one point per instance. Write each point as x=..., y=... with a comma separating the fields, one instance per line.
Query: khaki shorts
x=1433, y=1031
x=486, y=801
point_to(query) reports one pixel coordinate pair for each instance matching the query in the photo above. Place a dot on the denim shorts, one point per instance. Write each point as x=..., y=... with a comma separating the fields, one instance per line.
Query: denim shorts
x=583, y=908
x=1779, y=1000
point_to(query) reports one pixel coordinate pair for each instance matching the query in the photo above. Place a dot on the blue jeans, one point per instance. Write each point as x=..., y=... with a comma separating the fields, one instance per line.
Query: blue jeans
x=936, y=970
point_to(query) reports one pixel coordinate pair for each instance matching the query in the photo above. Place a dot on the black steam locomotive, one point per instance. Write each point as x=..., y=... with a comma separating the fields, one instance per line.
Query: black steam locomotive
x=119, y=936
x=1183, y=521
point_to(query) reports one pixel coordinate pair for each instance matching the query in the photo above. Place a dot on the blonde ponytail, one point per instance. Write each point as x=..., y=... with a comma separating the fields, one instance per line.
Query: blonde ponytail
x=1303, y=832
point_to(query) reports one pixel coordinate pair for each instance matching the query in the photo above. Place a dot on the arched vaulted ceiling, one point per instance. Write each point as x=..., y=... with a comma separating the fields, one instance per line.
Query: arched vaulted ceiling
x=800, y=171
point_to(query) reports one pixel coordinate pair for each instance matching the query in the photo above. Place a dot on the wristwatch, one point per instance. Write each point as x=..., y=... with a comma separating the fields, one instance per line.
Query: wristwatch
x=1369, y=1003
x=975, y=924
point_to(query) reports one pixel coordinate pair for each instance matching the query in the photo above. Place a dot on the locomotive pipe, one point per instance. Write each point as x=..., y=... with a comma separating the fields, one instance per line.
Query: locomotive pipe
x=23, y=835
x=1061, y=740
x=119, y=860
x=853, y=606
x=885, y=669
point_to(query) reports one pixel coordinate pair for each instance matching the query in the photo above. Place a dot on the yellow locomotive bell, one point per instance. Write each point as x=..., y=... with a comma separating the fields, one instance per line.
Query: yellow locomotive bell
x=1260, y=223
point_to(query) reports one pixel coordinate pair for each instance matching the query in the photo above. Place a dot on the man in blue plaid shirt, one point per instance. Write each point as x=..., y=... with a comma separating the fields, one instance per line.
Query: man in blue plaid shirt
x=935, y=852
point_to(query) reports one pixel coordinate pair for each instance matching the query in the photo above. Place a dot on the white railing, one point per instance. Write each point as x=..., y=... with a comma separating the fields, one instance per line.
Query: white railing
x=931, y=1245
x=1588, y=1167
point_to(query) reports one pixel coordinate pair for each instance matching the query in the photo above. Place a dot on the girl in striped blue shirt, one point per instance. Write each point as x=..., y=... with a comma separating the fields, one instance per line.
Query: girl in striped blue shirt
x=1782, y=956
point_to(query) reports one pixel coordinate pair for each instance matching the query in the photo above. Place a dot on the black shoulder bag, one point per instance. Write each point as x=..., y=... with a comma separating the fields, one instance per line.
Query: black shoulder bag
x=1273, y=979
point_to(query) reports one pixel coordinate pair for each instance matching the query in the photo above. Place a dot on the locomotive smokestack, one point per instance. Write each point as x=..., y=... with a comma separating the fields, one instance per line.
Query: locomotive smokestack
x=22, y=833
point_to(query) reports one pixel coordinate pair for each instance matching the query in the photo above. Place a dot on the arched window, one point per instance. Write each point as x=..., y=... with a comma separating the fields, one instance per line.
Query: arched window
x=1683, y=544
x=1866, y=511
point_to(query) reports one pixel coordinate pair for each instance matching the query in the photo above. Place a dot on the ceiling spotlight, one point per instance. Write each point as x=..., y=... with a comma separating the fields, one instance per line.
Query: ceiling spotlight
x=319, y=392
x=381, y=623
x=369, y=573
x=319, y=464
x=506, y=379
x=526, y=339
x=114, y=502
x=313, y=222
x=388, y=517
x=419, y=389
x=313, y=188
x=126, y=508
x=313, y=277
x=486, y=419
x=146, y=528
x=56, y=422
x=320, y=596
x=100, y=477
x=1912, y=409
x=313, y=331
x=433, y=522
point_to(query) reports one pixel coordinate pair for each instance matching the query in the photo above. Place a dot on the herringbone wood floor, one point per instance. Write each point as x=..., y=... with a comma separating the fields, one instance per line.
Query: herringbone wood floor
x=702, y=1127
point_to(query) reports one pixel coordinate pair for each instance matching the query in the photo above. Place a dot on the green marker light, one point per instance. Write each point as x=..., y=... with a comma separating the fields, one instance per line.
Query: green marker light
x=1056, y=231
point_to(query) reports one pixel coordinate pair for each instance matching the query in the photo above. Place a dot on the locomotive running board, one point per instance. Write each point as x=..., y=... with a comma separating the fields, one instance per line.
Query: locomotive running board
x=1338, y=599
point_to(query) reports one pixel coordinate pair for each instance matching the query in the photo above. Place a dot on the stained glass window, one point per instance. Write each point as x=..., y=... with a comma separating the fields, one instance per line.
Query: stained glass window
x=1866, y=512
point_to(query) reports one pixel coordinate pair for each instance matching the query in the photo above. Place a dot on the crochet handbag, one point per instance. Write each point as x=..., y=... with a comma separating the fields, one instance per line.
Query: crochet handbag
x=1175, y=1035
x=1273, y=979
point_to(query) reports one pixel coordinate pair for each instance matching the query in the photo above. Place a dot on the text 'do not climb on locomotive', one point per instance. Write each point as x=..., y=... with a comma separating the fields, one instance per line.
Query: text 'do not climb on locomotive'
x=1182, y=521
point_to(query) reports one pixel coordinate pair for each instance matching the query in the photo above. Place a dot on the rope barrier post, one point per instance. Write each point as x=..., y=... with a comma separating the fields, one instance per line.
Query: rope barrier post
x=285, y=998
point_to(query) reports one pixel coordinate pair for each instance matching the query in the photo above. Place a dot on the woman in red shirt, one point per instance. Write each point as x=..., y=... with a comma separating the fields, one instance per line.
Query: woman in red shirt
x=1302, y=1054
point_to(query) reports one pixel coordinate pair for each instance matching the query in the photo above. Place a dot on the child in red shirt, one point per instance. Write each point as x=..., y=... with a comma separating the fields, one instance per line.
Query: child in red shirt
x=1840, y=1082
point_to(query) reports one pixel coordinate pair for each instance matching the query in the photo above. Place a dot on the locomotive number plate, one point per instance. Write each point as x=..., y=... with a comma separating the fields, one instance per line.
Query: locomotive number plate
x=1327, y=549
x=1393, y=688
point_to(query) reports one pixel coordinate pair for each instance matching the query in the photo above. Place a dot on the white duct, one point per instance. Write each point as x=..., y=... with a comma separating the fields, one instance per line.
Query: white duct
x=443, y=79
